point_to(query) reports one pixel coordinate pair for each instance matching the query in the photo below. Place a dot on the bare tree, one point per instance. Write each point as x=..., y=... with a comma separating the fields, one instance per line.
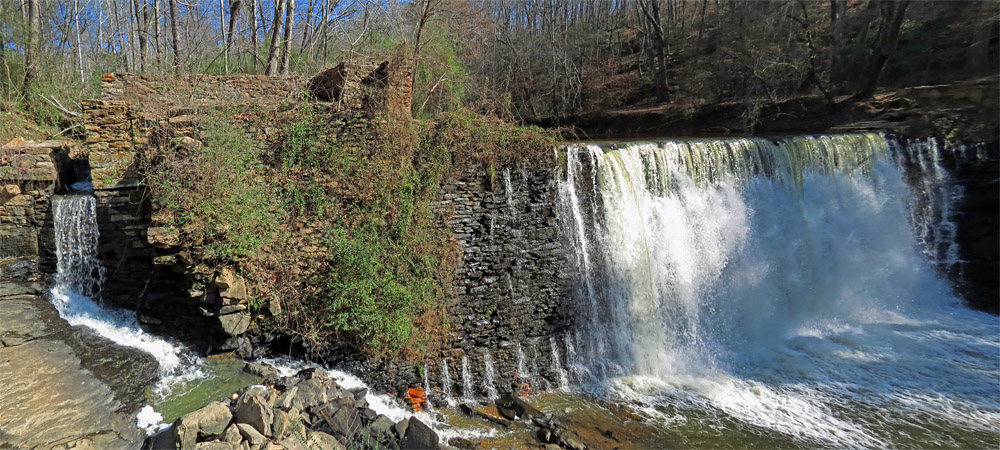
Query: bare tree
x=174, y=39
x=32, y=46
x=888, y=36
x=286, y=40
x=272, y=53
x=651, y=11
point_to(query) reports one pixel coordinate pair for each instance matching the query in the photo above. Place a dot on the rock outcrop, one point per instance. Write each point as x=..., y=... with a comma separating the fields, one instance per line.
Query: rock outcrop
x=305, y=411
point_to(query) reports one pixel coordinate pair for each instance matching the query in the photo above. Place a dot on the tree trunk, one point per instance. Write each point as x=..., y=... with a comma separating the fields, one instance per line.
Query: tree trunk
x=286, y=40
x=651, y=11
x=234, y=11
x=888, y=37
x=79, y=40
x=157, y=41
x=252, y=23
x=174, y=40
x=272, y=53
x=31, y=48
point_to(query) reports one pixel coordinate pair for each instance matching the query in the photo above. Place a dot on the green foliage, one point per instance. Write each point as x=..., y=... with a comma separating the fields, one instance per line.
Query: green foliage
x=468, y=141
x=217, y=194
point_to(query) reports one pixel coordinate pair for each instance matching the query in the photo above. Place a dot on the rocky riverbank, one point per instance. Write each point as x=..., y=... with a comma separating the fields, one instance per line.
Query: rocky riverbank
x=64, y=387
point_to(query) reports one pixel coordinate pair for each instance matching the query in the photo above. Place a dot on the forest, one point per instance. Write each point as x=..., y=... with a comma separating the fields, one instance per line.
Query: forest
x=526, y=60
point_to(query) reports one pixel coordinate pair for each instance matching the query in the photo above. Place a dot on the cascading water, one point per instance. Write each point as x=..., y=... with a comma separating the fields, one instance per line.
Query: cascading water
x=446, y=384
x=76, y=296
x=489, y=377
x=780, y=289
x=468, y=384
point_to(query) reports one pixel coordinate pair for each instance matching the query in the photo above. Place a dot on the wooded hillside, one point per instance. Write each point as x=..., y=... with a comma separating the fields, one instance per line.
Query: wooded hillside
x=526, y=59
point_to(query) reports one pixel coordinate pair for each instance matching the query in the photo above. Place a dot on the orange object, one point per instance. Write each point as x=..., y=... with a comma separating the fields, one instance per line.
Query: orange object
x=417, y=399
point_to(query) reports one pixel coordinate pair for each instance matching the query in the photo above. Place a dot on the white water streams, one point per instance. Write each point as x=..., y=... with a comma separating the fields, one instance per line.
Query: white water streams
x=556, y=364
x=468, y=384
x=76, y=293
x=489, y=377
x=782, y=285
x=446, y=384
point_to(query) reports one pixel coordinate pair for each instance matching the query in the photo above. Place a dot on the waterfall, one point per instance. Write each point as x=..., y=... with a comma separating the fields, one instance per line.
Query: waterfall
x=778, y=282
x=78, y=268
x=446, y=384
x=508, y=187
x=556, y=365
x=489, y=377
x=76, y=296
x=427, y=388
x=468, y=385
x=522, y=367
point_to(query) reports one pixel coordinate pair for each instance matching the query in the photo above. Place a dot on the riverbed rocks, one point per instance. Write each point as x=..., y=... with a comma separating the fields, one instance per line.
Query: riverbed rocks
x=63, y=387
x=305, y=411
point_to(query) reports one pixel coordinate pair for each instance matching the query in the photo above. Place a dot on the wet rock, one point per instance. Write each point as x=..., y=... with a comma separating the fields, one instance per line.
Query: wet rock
x=261, y=370
x=462, y=443
x=490, y=413
x=250, y=433
x=520, y=407
x=544, y=435
x=507, y=413
x=252, y=409
x=419, y=436
x=571, y=440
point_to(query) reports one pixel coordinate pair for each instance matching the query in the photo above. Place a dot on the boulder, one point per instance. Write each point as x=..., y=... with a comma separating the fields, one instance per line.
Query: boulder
x=400, y=428
x=519, y=406
x=284, y=400
x=321, y=440
x=381, y=426
x=236, y=323
x=252, y=409
x=251, y=434
x=215, y=445
x=419, y=436
x=208, y=421
x=261, y=370
x=232, y=435
x=491, y=413
x=231, y=286
x=281, y=424
x=310, y=393
x=462, y=443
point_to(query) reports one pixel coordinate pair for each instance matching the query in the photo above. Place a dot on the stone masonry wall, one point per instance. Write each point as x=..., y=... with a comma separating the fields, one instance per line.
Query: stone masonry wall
x=29, y=175
x=511, y=285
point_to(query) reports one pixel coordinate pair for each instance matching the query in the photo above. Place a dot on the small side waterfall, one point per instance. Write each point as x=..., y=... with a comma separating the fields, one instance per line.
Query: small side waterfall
x=427, y=388
x=556, y=365
x=446, y=384
x=76, y=296
x=78, y=268
x=468, y=384
x=489, y=377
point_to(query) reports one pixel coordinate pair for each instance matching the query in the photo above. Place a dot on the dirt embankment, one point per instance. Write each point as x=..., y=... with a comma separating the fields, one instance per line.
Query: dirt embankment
x=964, y=111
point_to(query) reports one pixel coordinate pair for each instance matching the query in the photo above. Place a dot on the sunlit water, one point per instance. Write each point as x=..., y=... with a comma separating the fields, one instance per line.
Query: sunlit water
x=759, y=293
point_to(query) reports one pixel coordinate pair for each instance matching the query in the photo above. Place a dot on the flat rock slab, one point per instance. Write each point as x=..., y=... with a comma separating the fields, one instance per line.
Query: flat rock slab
x=48, y=396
